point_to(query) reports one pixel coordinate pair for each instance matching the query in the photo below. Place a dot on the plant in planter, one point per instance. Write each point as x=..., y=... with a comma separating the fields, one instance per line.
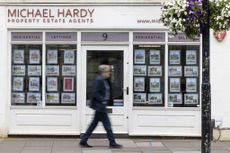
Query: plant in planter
x=220, y=18
x=188, y=16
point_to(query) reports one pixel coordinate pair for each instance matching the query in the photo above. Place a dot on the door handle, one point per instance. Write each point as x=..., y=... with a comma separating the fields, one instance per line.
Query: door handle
x=126, y=90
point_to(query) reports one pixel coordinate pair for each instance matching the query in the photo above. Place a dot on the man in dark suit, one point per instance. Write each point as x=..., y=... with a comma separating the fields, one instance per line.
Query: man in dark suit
x=101, y=93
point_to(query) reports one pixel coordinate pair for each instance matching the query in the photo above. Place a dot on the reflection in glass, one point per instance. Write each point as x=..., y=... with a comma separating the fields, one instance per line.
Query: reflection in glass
x=113, y=58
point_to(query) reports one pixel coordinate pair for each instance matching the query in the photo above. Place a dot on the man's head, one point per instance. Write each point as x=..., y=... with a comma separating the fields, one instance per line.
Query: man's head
x=104, y=71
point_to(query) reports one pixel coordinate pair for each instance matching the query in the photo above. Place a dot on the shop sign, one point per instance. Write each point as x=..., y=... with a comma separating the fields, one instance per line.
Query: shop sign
x=149, y=37
x=26, y=36
x=105, y=36
x=61, y=36
x=181, y=38
x=86, y=17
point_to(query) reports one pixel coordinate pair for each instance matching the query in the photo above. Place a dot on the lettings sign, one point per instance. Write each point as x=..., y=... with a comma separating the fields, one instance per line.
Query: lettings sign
x=84, y=17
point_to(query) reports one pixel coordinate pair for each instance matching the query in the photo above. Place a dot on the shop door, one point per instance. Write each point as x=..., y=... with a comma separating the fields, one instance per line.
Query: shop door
x=94, y=56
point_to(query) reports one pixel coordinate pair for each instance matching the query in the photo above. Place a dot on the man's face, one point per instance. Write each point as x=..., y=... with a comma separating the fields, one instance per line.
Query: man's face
x=107, y=74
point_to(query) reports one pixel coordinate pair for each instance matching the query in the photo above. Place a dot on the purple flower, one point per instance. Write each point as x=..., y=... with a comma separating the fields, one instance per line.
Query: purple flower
x=198, y=13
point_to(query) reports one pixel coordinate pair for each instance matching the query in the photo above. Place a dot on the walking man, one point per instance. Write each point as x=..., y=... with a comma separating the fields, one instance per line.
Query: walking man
x=100, y=98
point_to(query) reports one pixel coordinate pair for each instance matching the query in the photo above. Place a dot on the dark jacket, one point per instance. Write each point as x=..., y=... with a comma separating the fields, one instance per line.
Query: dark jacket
x=98, y=95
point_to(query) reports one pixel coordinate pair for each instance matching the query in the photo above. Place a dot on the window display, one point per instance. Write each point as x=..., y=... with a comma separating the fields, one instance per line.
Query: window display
x=139, y=98
x=154, y=71
x=68, y=98
x=191, y=57
x=139, y=84
x=155, y=98
x=191, y=99
x=33, y=97
x=34, y=56
x=191, y=85
x=34, y=83
x=139, y=70
x=18, y=98
x=154, y=85
x=52, y=56
x=18, y=83
x=174, y=57
x=139, y=56
x=52, y=84
x=18, y=70
x=175, y=99
x=52, y=70
x=52, y=98
x=175, y=71
x=69, y=57
x=183, y=76
x=61, y=75
x=18, y=56
x=174, y=84
x=68, y=84
x=34, y=70
x=26, y=74
x=148, y=89
x=154, y=57
x=191, y=71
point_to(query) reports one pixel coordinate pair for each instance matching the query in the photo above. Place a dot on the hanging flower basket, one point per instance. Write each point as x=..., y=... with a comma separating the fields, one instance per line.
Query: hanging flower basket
x=188, y=16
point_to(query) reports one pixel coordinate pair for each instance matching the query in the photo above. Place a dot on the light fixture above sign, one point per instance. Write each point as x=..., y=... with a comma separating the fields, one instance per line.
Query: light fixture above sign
x=219, y=35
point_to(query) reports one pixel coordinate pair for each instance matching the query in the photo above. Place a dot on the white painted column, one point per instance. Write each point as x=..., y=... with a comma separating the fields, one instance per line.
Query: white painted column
x=4, y=74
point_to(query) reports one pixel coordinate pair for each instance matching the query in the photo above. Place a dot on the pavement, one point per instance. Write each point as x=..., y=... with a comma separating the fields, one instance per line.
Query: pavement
x=131, y=145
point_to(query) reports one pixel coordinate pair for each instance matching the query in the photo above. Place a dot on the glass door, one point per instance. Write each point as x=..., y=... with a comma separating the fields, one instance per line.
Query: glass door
x=113, y=58
x=117, y=108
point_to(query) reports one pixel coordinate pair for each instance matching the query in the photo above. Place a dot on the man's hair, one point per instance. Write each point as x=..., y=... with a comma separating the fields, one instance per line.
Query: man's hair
x=103, y=68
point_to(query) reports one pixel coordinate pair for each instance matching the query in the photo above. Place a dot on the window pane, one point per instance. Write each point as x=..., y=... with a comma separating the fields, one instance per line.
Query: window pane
x=26, y=75
x=113, y=58
x=148, y=75
x=183, y=75
x=61, y=70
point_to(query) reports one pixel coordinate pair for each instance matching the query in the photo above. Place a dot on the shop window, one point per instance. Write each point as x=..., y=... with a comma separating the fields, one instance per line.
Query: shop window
x=183, y=76
x=61, y=73
x=148, y=75
x=26, y=81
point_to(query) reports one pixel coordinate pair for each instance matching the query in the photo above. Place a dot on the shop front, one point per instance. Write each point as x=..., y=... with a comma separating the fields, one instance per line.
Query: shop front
x=51, y=56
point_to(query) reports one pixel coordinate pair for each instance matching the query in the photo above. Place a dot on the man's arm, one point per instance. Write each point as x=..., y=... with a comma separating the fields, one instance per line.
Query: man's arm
x=97, y=93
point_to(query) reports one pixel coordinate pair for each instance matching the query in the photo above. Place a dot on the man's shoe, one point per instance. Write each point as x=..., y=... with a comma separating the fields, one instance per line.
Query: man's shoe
x=115, y=146
x=85, y=145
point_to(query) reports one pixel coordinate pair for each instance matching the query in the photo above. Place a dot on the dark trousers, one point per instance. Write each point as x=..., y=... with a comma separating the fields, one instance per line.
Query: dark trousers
x=103, y=117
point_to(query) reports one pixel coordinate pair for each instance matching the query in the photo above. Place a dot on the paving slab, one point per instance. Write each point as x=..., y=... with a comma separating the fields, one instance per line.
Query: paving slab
x=155, y=151
x=143, y=144
x=96, y=151
x=127, y=143
x=68, y=151
x=37, y=148
x=180, y=149
x=126, y=149
x=34, y=143
x=62, y=149
x=115, y=151
x=149, y=149
x=156, y=144
x=186, y=152
x=36, y=151
x=65, y=143
x=220, y=151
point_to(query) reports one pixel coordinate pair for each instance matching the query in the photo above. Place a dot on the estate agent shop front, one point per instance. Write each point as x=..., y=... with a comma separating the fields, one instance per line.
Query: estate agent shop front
x=49, y=58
